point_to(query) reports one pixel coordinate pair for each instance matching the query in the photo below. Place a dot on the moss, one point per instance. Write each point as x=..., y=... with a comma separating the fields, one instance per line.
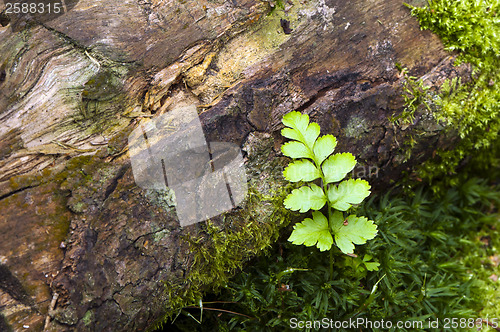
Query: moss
x=73, y=165
x=19, y=182
x=471, y=109
x=415, y=95
x=117, y=143
x=79, y=170
x=88, y=317
x=225, y=246
x=87, y=178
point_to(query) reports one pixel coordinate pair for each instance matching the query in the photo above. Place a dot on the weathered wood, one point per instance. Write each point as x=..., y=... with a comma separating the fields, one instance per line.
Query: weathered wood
x=81, y=246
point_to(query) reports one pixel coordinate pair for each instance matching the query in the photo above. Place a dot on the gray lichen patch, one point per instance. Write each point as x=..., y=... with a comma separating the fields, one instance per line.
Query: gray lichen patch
x=89, y=181
x=160, y=235
x=264, y=170
x=356, y=127
x=164, y=198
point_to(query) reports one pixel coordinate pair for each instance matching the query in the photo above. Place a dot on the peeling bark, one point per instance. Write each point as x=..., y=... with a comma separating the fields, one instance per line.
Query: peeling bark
x=73, y=86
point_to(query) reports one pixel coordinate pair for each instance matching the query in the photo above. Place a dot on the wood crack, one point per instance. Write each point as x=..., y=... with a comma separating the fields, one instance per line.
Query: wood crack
x=338, y=81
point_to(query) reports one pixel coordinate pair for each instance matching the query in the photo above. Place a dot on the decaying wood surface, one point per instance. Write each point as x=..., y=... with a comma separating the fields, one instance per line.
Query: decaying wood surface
x=81, y=246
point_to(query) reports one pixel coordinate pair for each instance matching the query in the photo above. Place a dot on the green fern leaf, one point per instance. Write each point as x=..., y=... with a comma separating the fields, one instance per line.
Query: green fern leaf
x=315, y=160
x=337, y=166
x=306, y=198
x=296, y=150
x=300, y=129
x=312, y=232
x=347, y=193
x=301, y=170
x=324, y=146
x=353, y=230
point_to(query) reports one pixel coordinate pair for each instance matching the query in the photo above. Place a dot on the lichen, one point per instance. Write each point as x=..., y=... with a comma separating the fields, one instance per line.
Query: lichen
x=259, y=40
x=356, y=127
x=158, y=236
x=162, y=198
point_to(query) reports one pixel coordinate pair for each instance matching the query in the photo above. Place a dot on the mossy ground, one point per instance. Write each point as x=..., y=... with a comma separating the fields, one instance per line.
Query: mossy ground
x=470, y=109
x=438, y=259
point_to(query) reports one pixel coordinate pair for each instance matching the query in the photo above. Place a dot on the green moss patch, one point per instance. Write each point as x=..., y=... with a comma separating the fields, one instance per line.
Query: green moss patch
x=470, y=108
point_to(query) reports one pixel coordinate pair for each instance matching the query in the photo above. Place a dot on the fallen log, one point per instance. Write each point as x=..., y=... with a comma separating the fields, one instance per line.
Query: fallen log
x=82, y=246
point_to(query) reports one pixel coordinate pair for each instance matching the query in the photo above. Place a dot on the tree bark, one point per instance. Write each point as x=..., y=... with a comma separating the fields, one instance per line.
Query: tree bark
x=82, y=248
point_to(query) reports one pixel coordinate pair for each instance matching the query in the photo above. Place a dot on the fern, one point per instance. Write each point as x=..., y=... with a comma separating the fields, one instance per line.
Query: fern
x=314, y=159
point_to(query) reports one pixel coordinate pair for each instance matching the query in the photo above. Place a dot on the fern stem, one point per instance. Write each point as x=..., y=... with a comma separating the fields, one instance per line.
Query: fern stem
x=331, y=263
x=325, y=189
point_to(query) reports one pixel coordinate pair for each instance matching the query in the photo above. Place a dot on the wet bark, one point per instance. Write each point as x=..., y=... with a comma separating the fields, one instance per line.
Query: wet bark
x=81, y=246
